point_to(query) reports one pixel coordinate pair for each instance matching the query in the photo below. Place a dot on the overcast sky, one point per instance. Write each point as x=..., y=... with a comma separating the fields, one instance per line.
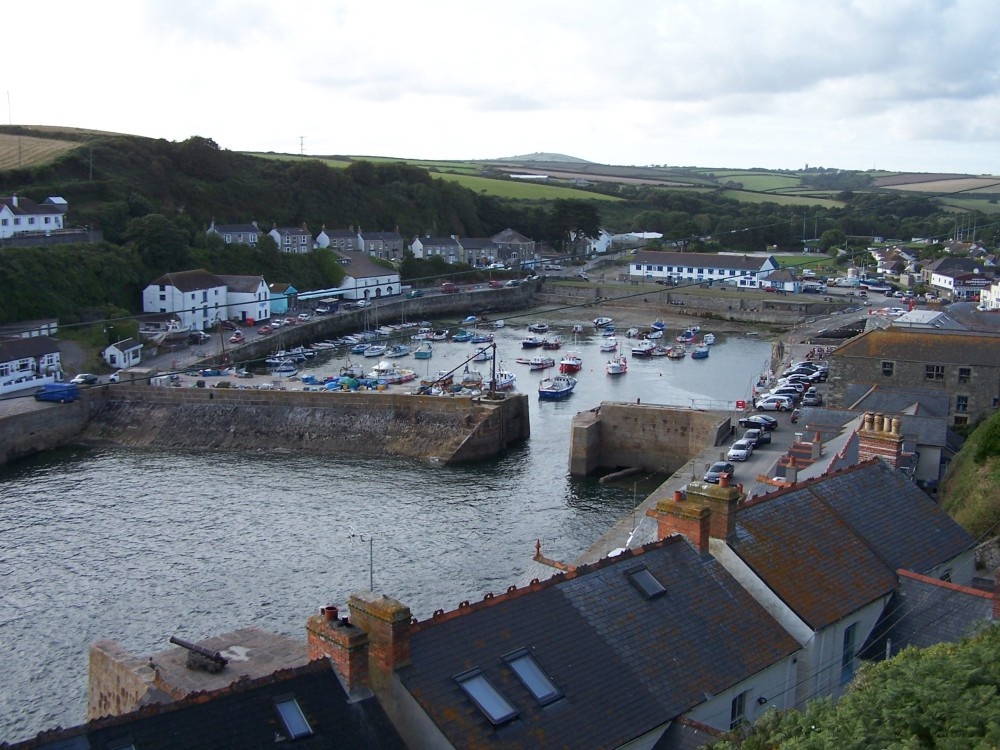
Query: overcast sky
x=909, y=85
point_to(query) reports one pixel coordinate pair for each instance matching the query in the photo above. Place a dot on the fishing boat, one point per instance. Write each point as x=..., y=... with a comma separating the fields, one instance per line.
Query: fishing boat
x=660, y=351
x=480, y=338
x=443, y=379
x=374, y=350
x=541, y=363
x=632, y=333
x=553, y=343
x=439, y=335
x=359, y=348
x=608, y=331
x=424, y=351
x=556, y=388
x=538, y=327
x=301, y=351
x=286, y=369
x=498, y=324
x=700, y=351
x=424, y=334
x=708, y=339
x=653, y=334
x=352, y=370
x=676, y=352
x=390, y=373
x=643, y=349
x=531, y=342
x=471, y=380
x=505, y=380
x=397, y=350
x=577, y=328
x=461, y=336
x=571, y=362
x=482, y=354
x=609, y=344
x=617, y=366
x=602, y=322
x=658, y=325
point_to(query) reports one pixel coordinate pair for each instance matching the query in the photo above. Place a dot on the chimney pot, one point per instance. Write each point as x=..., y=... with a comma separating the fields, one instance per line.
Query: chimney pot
x=678, y=496
x=723, y=480
x=329, y=613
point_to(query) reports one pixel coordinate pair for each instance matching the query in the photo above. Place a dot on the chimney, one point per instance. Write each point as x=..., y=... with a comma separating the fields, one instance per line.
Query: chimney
x=13, y=200
x=677, y=516
x=387, y=623
x=341, y=642
x=721, y=500
x=880, y=436
x=791, y=471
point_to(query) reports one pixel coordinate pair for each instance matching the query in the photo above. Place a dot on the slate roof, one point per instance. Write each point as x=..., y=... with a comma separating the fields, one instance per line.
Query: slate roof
x=510, y=237
x=384, y=236
x=478, y=243
x=126, y=344
x=895, y=517
x=925, y=611
x=235, y=229
x=362, y=266
x=240, y=717
x=24, y=348
x=189, y=281
x=438, y=241
x=809, y=556
x=922, y=345
x=28, y=207
x=624, y=663
x=242, y=284
x=892, y=399
x=702, y=260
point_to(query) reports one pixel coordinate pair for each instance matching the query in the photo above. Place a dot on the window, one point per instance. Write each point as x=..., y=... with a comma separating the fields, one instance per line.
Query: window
x=888, y=368
x=847, y=653
x=31, y=219
x=537, y=682
x=961, y=403
x=292, y=717
x=645, y=582
x=964, y=374
x=738, y=710
x=934, y=372
x=959, y=421
x=487, y=698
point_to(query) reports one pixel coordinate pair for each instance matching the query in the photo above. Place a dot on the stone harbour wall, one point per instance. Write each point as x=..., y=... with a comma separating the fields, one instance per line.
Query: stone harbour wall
x=442, y=429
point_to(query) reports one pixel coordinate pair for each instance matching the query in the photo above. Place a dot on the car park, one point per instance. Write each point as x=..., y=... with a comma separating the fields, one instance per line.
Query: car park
x=757, y=437
x=759, y=421
x=741, y=450
x=85, y=378
x=775, y=403
x=716, y=470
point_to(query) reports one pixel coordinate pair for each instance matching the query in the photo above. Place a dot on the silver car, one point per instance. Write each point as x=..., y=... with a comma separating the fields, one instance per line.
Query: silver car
x=741, y=450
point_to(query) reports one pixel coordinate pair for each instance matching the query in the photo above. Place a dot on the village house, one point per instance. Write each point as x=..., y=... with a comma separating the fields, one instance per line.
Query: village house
x=479, y=251
x=963, y=364
x=382, y=245
x=340, y=240
x=292, y=239
x=21, y=216
x=364, y=279
x=248, y=298
x=236, y=234
x=282, y=297
x=28, y=362
x=513, y=247
x=183, y=301
x=121, y=354
x=675, y=268
x=447, y=248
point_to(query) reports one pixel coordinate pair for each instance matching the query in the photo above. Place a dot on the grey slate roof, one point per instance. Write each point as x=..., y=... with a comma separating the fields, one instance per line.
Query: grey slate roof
x=925, y=611
x=624, y=663
x=362, y=266
x=890, y=399
x=28, y=207
x=967, y=348
x=242, y=284
x=24, y=348
x=701, y=260
x=189, y=281
x=240, y=717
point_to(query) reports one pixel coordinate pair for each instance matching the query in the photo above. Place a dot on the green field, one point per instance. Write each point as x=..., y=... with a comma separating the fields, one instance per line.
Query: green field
x=781, y=199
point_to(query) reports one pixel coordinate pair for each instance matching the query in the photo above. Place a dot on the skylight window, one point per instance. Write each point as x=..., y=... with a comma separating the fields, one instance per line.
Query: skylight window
x=537, y=682
x=487, y=698
x=645, y=582
x=292, y=717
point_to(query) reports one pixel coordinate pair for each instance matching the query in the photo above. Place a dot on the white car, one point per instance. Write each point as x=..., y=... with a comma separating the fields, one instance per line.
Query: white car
x=741, y=450
x=775, y=403
x=304, y=317
x=362, y=303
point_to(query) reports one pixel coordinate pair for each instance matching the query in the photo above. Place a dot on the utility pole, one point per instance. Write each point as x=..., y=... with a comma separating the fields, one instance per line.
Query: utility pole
x=302, y=145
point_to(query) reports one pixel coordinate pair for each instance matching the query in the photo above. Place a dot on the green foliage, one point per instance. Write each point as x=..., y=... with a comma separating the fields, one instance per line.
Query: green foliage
x=943, y=696
x=970, y=491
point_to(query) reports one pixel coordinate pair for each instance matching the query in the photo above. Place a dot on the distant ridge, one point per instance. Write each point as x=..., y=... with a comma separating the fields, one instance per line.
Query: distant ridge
x=545, y=157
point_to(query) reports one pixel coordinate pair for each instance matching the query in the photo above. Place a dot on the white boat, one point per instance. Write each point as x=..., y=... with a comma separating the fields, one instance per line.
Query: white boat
x=286, y=369
x=482, y=354
x=352, y=370
x=609, y=344
x=440, y=335
x=538, y=327
x=505, y=380
x=375, y=350
x=541, y=363
x=471, y=380
x=577, y=328
x=708, y=339
x=301, y=350
x=498, y=324
x=654, y=334
x=422, y=334
x=632, y=332
x=602, y=322
x=643, y=349
x=397, y=350
x=556, y=388
x=617, y=366
x=571, y=362
x=424, y=351
x=390, y=373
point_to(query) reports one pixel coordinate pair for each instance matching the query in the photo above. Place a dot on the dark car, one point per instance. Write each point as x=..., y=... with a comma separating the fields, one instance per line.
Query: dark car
x=757, y=437
x=717, y=469
x=85, y=378
x=760, y=422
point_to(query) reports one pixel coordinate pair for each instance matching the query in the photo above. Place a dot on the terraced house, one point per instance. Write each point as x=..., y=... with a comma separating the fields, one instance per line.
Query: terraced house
x=676, y=268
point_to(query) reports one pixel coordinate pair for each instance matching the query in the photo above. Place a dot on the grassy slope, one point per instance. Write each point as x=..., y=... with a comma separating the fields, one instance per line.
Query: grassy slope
x=18, y=151
x=970, y=492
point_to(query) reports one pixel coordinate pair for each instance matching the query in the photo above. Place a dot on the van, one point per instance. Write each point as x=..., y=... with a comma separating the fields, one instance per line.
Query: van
x=61, y=392
x=448, y=288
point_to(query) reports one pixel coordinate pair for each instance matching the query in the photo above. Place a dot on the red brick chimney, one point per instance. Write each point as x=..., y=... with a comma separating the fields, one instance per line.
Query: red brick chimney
x=678, y=516
x=343, y=643
x=387, y=623
x=879, y=436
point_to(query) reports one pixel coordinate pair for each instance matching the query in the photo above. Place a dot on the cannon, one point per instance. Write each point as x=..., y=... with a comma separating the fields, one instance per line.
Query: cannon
x=199, y=657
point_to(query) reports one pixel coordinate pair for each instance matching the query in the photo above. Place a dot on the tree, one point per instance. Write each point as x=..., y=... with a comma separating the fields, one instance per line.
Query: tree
x=831, y=238
x=572, y=221
x=161, y=244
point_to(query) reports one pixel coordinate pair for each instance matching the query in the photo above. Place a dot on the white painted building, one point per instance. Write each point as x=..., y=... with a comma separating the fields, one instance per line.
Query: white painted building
x=736, y=270
x=23, y=216
x=196, y=298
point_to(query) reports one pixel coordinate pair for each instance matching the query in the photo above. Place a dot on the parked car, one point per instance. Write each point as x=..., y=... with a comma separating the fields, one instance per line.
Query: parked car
x=290, y=321
x=115, y=377
x=775, y=403
x=304, y=317
x=741, y=450
x=757, y=437
x=512, y=282
x=813, y=400
x=363, y=303
x=414, y=293
x=760, y=421
x=716, y=470
x=198, y=337
x=85, y=378
x=276, y=323
x=787, y=390
x=264, y=330
x=237, y=338
x=495, y=284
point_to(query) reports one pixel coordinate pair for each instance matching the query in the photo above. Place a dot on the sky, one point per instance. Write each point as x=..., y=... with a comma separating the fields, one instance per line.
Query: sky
x=899, y=85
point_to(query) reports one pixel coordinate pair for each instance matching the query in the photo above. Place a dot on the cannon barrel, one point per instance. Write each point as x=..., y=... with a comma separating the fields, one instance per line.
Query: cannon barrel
x=200, y=650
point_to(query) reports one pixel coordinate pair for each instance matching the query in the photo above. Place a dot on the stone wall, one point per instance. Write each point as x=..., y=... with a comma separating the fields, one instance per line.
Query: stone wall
x=659, y=439
x=41, y=428
x=447, y=430
x=117, y=680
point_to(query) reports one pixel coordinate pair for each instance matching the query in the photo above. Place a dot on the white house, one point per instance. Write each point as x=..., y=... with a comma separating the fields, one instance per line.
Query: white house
x=196, y=298
x=124, y=353
x=737, y=270
x=247, y=298
x=447, y=248
x=23, y=216
x=28, y=362
x=364, y=280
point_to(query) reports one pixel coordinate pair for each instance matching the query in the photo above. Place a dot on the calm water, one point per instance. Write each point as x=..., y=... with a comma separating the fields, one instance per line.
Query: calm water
x=137, y=546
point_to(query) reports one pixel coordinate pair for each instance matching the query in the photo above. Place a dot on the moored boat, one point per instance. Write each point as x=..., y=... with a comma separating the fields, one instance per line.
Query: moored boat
x=480, y=338
x=556, y=388
x=686, y=337
x=390, y=373
x=397, y=350
x=552, y=343
x=609, y=344
x=602, y=322
x=461, y=336
x=541, y=363
x=538, y=327
x=617, y=366
x=700, y=351
x=708, y=339
x=505, y=380
x=424, y=351
x=531, y=342
x=286, y=369
x=677, y=352
x=374, y=350
x=571, y=362
x=643, y=348
x=482, y=354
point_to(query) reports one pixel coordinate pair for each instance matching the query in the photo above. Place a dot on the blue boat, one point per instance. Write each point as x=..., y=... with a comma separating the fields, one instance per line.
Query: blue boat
x=556, y=388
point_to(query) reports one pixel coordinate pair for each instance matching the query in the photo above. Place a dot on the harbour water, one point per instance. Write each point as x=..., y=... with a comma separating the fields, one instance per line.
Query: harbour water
x=137, y=546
